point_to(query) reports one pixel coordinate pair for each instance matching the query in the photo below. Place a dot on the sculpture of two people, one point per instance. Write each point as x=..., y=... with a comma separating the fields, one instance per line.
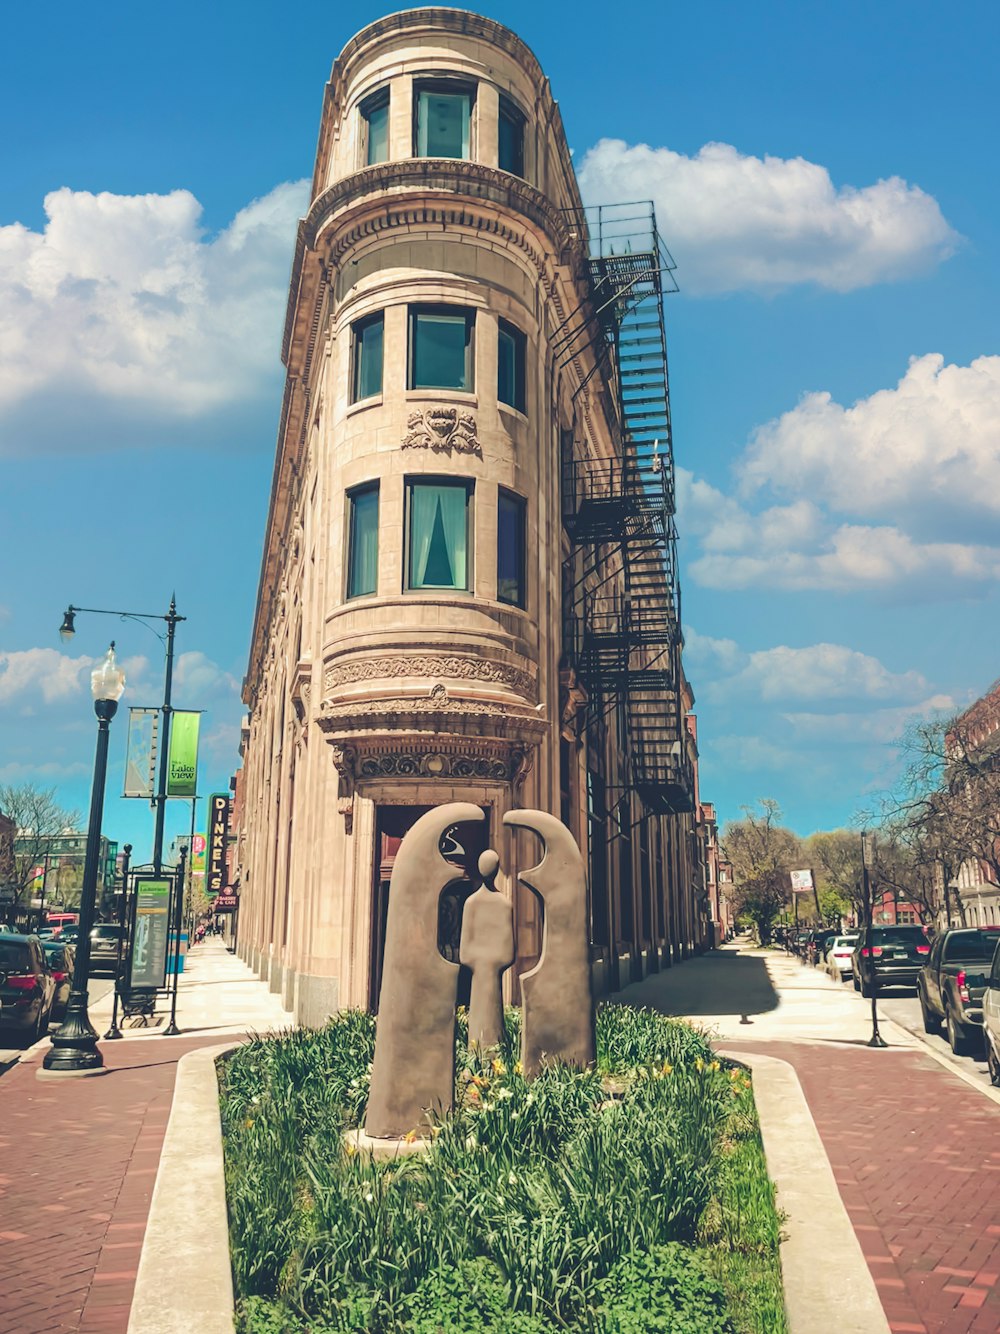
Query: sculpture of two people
x=414, y=1067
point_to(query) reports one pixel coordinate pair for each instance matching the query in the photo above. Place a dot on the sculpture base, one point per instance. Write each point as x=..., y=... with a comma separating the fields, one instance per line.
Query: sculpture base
x=384, y=1148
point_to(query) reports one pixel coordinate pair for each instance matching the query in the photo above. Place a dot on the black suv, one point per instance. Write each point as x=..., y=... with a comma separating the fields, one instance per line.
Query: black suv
x=27, y=987
x=893, y=955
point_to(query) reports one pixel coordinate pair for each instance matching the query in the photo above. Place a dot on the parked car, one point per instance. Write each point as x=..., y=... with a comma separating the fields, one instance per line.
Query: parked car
x=69, y=935
x=893, y=955
x=818, y=942
x=27, y=987
x=838, y=956
x=991, y=1016
x=59, y=958
x=46, y=932
x=104, y=939
x=951, y=985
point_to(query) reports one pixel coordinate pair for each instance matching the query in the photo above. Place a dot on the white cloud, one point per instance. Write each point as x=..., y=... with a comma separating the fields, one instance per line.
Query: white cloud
x=736, y=222
x=933, y=441
x=823, y=671
x=711, y=655
x=798, y=547
x=752, y=752
x=43, y=671
x=199, y=677
x=884, y=726
x=122, y=301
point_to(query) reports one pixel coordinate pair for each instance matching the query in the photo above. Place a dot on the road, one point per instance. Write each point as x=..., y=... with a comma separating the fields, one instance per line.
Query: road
x=99, y=987
x=901, y=1005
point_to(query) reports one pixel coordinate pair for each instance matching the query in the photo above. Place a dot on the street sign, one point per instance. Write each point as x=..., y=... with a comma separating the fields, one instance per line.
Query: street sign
x=218, y=841
x=149, y=944
x=140, y=757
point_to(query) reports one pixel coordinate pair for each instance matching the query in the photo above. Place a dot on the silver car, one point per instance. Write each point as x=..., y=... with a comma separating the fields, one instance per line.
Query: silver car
x=991, y=1018
x=838, y=956
x=104, y=942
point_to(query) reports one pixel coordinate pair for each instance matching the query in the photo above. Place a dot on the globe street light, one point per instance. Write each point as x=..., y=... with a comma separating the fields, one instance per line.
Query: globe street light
x=74, y=1049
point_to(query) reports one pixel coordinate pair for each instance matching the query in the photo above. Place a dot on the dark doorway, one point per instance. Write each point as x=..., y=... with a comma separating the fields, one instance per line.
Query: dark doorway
x=462, y=848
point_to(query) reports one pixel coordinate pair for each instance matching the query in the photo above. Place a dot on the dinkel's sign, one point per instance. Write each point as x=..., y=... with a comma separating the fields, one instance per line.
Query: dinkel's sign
x=218, y=841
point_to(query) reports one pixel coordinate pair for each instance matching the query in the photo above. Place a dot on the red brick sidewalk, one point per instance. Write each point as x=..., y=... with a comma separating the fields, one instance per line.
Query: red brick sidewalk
x=916, y=1155
x=79, y=1159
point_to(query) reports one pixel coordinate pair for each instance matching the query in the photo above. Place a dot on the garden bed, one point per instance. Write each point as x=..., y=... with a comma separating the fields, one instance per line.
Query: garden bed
x=627, y=1199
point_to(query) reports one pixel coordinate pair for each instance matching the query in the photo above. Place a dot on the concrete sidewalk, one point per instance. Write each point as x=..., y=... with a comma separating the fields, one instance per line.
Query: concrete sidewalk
x=80, y=1156
x=915, y=1150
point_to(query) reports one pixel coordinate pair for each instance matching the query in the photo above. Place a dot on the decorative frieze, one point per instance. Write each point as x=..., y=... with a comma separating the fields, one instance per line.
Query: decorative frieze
x=435, y=711
x=435, y=665
x=443, y=430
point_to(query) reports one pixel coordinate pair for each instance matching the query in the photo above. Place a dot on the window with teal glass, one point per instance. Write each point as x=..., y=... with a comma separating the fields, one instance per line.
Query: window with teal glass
x=510, y=138
x=367, y=354
x=440, y=347
x=375, y=115
x=439, y=535
x=510, y=365
x=510, y=549
x=444, y=120
x=362, y=553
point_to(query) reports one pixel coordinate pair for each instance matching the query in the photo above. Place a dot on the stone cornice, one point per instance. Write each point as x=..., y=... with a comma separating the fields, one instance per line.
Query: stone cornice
x=433, y=713
x=432, y=191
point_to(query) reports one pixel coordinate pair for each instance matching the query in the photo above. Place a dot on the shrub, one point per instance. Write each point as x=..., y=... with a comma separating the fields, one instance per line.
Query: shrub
x=472, y=1297
x=665, y=1289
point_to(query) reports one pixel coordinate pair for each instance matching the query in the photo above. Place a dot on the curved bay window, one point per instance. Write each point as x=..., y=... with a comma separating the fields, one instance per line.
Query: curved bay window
x=443, y=120
x=362, y=541
x=510, y=138
x=438, y=546
x=510, y=549
x=375, y=128
x=440, y=352
x=367, y=342
x=511, y=348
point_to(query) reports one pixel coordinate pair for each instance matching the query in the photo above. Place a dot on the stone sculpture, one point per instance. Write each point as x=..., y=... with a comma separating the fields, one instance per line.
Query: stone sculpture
x=557, y=1013
x=487, y=948
x=413, y=1074
x=414, y=1068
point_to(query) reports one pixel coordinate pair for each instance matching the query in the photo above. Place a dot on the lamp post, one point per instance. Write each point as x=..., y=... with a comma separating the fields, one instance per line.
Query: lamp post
x=74, y=1049
x=67, y=631
x=876, y=1039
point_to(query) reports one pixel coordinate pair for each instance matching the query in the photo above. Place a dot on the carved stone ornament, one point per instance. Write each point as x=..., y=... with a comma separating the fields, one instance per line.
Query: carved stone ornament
x=443, y=430
x=451, y=759
x=436, y=665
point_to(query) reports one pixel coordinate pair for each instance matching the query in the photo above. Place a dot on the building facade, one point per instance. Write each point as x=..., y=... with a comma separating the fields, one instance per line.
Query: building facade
x=975, y=897
x=468, y=589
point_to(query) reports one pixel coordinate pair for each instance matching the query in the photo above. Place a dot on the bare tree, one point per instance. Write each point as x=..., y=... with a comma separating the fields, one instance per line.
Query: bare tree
x=761, y=852
x=37, y=816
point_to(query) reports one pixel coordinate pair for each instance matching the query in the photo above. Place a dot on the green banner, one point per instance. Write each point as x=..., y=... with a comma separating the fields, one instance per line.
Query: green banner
x=182, y=755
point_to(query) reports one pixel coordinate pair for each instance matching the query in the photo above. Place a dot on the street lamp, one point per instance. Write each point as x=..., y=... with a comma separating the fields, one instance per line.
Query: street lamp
x=66, y=632
x=876, y=1039
x=74, y=1048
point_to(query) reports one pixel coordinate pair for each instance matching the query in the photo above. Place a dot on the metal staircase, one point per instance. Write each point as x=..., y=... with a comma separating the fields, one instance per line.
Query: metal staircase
x=623, y=622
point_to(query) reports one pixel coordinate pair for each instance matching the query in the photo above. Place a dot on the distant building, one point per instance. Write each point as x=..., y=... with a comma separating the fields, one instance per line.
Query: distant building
x=976, y=880
x=57, y=860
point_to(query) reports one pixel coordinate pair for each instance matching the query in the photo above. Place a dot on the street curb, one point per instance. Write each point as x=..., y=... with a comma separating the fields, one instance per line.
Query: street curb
x=823, y=1268
x=185, y=1279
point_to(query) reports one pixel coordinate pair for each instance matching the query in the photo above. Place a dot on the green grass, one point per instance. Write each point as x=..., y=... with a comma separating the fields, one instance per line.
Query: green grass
x=624, y=1199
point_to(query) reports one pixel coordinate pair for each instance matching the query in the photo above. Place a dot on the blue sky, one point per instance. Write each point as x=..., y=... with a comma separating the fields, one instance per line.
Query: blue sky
x=824, y=177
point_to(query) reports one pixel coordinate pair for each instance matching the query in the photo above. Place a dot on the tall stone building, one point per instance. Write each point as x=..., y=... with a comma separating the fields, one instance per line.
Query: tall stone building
x=468, y=589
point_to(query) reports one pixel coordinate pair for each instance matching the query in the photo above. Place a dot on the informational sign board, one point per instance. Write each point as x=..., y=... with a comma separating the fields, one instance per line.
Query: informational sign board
x=149, y=943
x=218, y=842
x=802, y=882
x=182, y=755
x=140, y=758
x=226, y=903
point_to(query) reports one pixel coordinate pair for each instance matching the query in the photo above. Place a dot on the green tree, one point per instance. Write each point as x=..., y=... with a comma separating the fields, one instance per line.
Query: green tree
x=762, y=852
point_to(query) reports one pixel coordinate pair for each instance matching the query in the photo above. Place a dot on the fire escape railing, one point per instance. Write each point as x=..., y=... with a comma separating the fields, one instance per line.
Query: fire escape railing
x=624, y=621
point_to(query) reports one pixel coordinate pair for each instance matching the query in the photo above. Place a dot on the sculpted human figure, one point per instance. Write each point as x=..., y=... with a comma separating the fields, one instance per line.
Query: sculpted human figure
x=557, y=1015
x=487, y=948
x=414, y=1067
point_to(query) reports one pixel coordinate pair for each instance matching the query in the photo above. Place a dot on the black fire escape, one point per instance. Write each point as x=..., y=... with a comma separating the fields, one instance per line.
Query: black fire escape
x=623, y=631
